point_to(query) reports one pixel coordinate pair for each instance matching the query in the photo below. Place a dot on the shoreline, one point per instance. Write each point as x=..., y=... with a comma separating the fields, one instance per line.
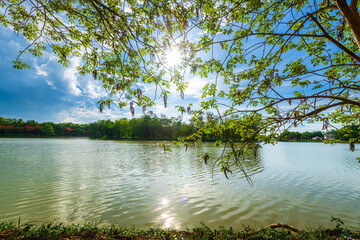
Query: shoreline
x=11, y=230
x=150, y=140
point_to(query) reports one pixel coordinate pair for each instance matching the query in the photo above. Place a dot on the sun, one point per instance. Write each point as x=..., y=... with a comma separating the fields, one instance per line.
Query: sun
x=173, y=58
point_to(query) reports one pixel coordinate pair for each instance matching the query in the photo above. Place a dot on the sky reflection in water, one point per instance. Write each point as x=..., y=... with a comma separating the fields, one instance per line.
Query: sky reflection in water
x=78, y=180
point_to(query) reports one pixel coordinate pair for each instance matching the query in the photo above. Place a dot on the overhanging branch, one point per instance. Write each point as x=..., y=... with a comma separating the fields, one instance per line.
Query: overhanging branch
x=342, y=47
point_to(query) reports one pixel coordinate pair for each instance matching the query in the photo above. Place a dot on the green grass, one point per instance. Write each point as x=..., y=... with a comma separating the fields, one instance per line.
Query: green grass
x=10, y=230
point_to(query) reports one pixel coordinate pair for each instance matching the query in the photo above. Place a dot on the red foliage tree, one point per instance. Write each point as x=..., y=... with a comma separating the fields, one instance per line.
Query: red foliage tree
x=20, y=130
x=29, y=129
x=9, y=129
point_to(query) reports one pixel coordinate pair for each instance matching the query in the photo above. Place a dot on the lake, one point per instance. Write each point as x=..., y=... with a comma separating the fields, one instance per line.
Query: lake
x=135, y=182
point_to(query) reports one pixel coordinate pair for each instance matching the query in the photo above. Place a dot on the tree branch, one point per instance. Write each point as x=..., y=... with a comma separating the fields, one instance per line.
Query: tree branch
x=342, y=47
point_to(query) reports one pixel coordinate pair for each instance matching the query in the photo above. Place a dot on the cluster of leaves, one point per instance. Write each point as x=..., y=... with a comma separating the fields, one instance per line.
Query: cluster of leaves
x=9, y=230
x=277, y=64
x=121, y=43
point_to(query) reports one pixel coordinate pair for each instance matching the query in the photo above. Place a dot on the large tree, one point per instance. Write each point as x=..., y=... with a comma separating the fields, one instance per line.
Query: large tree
x=271, y=64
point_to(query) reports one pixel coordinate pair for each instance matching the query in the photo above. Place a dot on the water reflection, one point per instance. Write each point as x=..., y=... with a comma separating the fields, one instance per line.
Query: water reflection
x=164, y=202
x=167, y=218
x=80, y=180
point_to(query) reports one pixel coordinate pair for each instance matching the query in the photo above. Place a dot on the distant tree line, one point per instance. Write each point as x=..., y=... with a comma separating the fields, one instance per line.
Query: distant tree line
x=19, y=127
x=346, y=133
x=146, y=127
x=152, y=127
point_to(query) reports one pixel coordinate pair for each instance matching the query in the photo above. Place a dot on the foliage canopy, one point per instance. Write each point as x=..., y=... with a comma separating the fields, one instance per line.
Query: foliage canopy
x=270, y=64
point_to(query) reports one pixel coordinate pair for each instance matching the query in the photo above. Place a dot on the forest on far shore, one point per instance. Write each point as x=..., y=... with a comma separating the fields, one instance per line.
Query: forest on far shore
x=147, y=127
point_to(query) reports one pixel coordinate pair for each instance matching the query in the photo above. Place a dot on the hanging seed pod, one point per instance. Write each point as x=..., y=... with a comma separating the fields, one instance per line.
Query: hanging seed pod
x=290, y=102
x=132, y=110
x=182, y=93
x=267, y=80
x=238, y=93
x=206, y=158
x=255, y=152
x=101, y=107
x=188, y=110
x=139, y=92
x=165, y=100
x=295, y=114
x=325, y=124
x=94, y=74
x=144, y=109
x=152, y=57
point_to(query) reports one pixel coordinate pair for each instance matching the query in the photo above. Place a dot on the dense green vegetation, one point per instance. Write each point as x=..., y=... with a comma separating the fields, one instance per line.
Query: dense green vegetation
x=147, y=127
x=347, y=133
x=150, y=127
x=9, y=230
x=19, y=127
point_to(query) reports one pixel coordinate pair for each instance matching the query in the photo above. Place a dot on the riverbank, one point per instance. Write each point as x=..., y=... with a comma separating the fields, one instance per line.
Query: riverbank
x=152, y=139
x=10, y=230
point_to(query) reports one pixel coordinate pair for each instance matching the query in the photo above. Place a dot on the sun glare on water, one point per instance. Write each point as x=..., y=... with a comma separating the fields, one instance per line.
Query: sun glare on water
x=164, y=202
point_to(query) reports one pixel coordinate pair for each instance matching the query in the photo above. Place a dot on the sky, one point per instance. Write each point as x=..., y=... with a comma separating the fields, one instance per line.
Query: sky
x=50, y=92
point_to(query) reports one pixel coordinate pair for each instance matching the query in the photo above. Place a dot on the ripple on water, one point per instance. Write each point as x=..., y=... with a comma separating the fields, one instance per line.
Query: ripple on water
x=126, y=182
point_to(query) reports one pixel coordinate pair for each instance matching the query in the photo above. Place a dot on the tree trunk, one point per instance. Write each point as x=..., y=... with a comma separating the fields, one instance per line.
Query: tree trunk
x=351, y=16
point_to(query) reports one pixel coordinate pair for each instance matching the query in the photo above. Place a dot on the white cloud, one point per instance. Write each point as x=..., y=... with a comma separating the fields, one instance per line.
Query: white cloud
x=40, y=72
x=50, y=84
x=70, y=76
x=83, y=114
x=67, y=79
x=159, y=109
x=195, y=87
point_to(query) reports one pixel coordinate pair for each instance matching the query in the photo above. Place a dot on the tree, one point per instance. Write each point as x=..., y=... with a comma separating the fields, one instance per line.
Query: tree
x=48, y=130
x=278, y=63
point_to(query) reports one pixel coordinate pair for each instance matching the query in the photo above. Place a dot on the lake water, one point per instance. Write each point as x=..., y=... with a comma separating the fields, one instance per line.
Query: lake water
x=125, y=182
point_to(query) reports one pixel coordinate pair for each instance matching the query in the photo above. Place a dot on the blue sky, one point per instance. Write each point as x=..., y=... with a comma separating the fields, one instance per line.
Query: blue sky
x=50, y=92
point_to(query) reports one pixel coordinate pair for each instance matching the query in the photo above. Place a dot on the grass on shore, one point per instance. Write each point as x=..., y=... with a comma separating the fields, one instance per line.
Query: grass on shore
x=10, y=230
